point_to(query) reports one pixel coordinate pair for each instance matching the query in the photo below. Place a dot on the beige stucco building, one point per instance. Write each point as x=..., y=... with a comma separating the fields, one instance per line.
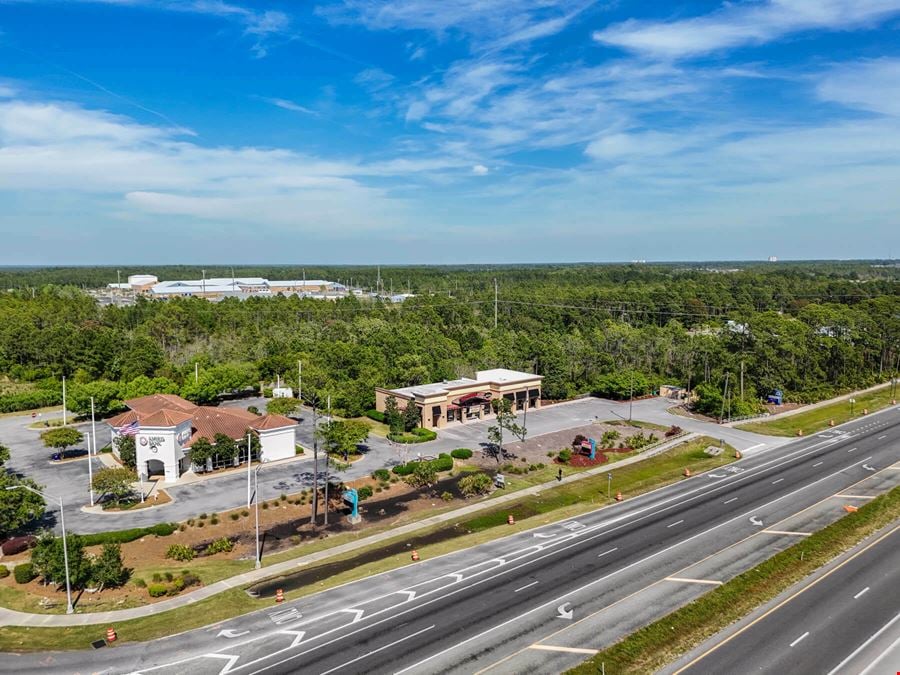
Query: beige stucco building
x=466, y=399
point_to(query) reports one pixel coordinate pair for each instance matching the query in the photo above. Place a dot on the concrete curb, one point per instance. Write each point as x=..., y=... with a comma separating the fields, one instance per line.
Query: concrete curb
x=10, y=617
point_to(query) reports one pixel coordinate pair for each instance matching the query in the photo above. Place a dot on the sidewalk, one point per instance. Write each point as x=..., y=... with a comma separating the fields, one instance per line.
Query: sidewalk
x=807, y=408
x=10, y=617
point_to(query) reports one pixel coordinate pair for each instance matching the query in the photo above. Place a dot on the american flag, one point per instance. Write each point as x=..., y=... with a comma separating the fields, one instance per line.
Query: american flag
x=129, y=429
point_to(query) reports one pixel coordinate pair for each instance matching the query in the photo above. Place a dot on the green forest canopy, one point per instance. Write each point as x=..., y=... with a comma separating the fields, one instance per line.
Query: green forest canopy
x=810, y=329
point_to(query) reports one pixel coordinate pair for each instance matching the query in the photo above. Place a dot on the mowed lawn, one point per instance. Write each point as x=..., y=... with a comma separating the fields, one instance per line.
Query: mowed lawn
x=820, y=418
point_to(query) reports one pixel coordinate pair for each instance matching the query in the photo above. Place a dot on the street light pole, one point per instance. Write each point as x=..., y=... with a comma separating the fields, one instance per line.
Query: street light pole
x=325, y=505
x=258, y=563
x=90, y=454
x=90, y=468
x=64, y=400
x=62, y=523
x=248, y=470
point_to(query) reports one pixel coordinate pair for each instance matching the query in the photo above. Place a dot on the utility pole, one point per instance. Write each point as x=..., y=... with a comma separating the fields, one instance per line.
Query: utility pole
x=64, y=400
x=196, y=372
x=248, y=469
x=630, y=393
x=742, y=379
x=724, y=396
x=325, y=505
x=300, y=380
x=315, y=499
x=495, y=304
x=90, y=458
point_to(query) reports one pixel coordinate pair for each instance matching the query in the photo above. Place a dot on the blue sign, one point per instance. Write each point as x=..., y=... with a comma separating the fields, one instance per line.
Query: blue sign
x=351, y=496
x=593, y=449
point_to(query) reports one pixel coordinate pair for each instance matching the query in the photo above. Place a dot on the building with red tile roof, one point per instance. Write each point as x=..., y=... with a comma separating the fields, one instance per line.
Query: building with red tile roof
x=165, y=427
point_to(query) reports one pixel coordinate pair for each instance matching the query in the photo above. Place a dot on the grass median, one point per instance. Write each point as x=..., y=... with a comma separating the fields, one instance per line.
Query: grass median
x=657, y=644
x=820, y=418
x=552, y=504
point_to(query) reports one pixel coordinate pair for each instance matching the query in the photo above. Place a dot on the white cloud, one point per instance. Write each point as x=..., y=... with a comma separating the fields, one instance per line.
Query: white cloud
x=6, y=91
x=867, y=85
x=744, y=23
x=509, y=21
x=625, y=146
x=480, y=170
x=290, y=105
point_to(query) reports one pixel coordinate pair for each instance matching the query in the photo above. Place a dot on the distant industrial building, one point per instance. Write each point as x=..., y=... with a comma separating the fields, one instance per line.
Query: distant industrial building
x=466, y=399
x=217, y=288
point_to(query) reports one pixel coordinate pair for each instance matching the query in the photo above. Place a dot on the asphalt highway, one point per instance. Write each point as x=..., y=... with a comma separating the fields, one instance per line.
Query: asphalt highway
x=484, y=607
x=817, y=625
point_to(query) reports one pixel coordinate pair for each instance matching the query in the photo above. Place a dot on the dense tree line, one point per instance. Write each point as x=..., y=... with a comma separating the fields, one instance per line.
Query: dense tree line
x=808, y=329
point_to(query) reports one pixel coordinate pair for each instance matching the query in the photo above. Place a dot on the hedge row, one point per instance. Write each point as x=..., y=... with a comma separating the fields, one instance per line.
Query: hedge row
x=29, y=400
x=417, y=435
x=375, y=415
x=124, y=536
x=444, y=462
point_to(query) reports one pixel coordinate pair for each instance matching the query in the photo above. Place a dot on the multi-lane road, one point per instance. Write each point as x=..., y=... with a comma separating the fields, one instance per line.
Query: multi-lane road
x=545, y=599
x=822, y=626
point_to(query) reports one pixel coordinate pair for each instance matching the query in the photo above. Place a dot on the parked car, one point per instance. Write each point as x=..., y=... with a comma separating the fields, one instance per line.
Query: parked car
x=68, y=454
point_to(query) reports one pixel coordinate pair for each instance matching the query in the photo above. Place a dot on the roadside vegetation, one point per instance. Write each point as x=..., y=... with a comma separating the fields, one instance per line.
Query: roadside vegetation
x=656, y=645
x=820, y=418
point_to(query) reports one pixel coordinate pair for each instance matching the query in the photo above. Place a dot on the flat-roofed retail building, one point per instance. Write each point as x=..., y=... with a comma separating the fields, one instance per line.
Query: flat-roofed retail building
x=466, y=399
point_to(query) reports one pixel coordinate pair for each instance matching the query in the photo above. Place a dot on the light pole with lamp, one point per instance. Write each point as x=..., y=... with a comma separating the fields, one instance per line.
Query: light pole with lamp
x=258, y=562
x=62, y=523
x=90, y=439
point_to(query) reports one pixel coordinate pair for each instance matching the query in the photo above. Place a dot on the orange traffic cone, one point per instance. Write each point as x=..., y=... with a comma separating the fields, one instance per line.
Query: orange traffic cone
x=510, y=519
x=687, y=473
x=849, y=508
x=618, y=496
x=415, y=556
x=111, y=634
x=279, y=595
x=738, y=454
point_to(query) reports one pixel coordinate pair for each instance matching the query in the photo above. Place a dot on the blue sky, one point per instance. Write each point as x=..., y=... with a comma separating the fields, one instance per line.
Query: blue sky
x=415, y=131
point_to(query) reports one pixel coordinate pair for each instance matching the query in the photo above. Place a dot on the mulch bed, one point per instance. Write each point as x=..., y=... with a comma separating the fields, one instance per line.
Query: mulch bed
x=583, y=460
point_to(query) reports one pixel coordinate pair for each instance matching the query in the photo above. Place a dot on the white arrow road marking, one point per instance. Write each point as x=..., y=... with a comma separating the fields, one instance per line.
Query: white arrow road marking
x=563, y=612
x=868, y=468
x=756, y=521
x=715, y=475
x=541, y=535
x=231, y=633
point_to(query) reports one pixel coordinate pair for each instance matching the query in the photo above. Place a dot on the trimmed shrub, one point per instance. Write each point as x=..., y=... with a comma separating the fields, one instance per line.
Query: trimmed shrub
x=245, y=512
x=140, y=583
x=381, y=474
x=223, y=545
x=4, y=571
x=180, y=552
x=364, y=492
x=157, y=590
x=190, y=579
x=444, y=462
x=125, y=536
x=375, y=415
x=157, y=577
x=475, y=484
x=565, y=455
x=417, y=435
x=214, y=521
x=447, y=496
x=17, y=544
x=234, y=516
x=461, y=453
x=24, y=573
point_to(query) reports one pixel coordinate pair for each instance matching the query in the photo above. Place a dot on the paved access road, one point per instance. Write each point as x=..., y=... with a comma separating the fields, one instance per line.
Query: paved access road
x=815, y=626
x=529, y=602
x=69, y=480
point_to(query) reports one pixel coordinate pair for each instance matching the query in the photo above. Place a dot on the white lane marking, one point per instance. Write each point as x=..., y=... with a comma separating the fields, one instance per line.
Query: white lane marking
x=526, y=586
x=861, y=593
x=851, y=449
x=818, y=464
x=607, y=552
x=799, y=639
x=876, y=663
x=776, y=482
x=843, y=496
x=881, y=438
x=733, y=499
x=790, y=533
x=380, y=649
x=416, y=665
x=710, y=582
x=669, y=503
x=571, y=650
x=679, y=522
x=754, y=447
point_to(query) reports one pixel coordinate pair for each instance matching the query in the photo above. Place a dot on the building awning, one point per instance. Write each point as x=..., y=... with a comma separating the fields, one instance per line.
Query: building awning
x=475, y=398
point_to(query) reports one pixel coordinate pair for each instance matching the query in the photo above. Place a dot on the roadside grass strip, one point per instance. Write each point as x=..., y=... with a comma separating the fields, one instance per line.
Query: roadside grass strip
x=667, y=639
x=819, y=419
x=553, y=504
